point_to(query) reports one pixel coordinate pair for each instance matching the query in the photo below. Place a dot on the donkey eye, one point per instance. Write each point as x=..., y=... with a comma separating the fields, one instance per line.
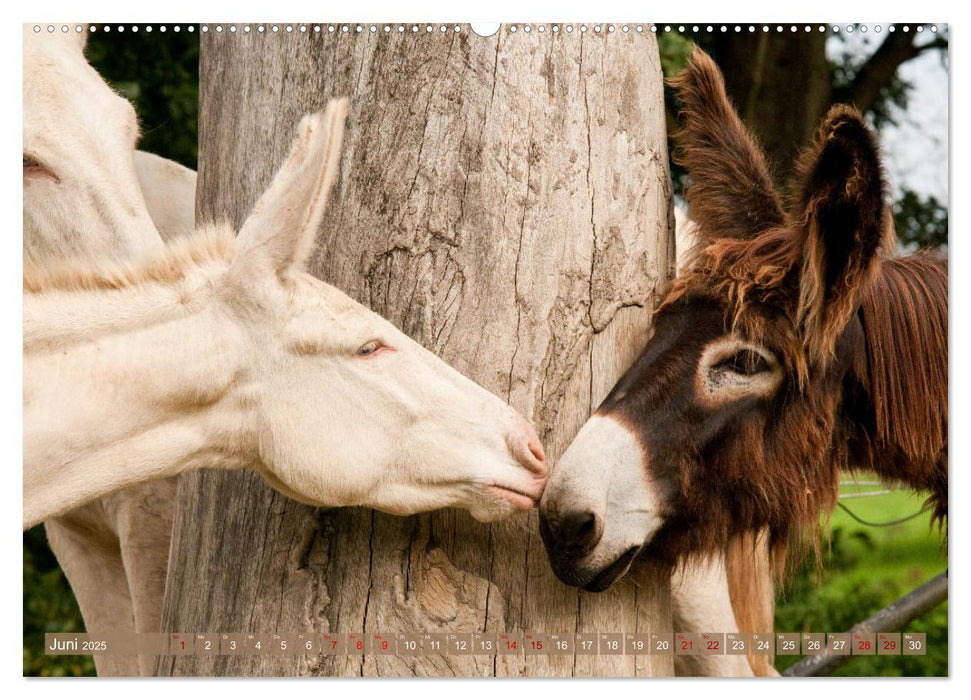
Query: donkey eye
x=745, y=362
x=32, y=166
x=31, y=162
x=732, y=368
x=369, y=348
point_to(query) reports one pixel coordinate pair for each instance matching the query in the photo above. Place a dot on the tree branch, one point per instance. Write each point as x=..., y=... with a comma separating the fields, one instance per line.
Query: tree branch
x=879, y=70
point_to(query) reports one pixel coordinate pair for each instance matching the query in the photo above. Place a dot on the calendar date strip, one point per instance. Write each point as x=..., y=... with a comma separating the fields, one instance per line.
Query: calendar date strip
x=490, y=644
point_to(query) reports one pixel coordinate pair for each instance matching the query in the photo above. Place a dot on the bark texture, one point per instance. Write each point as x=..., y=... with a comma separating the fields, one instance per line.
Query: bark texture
x=505, y=201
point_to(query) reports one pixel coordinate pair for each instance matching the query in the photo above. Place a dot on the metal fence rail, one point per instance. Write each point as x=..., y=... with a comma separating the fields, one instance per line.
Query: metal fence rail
x=889, y=619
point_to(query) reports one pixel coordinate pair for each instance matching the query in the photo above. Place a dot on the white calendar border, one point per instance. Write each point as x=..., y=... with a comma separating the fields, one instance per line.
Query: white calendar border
x=763, y=11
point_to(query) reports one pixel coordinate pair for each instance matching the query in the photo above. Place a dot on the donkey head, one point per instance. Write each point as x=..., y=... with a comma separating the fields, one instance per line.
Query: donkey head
x=81, y=193
x=729, y=420
x=348, y=409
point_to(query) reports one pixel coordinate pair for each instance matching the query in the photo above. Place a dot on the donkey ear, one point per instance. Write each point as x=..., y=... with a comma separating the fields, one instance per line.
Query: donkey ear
x=281, y=230
x=844, y=225
x=731, y=194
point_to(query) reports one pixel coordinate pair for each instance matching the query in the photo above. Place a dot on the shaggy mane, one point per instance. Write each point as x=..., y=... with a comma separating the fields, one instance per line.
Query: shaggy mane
x=904, y=314
x=213, y=243
x=861, y=333
x=745, y=272
x=905, y=319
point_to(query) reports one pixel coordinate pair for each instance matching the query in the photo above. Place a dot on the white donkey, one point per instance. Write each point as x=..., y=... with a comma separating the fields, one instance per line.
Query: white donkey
x=81, y=198
x=103, y=591
x=227, y=354
x=87, y=191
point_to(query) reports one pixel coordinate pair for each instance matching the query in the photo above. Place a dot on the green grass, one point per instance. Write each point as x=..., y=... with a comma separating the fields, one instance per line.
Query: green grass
x=863, y=569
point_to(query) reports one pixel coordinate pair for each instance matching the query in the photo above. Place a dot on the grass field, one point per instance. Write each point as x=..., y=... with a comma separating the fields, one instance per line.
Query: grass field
x=863, y=569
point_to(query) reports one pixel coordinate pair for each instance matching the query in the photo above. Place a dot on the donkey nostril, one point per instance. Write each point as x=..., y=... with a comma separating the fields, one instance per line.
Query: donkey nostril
x=586, y=529
x=537, y=449
x=525, y=444
x=580, y=531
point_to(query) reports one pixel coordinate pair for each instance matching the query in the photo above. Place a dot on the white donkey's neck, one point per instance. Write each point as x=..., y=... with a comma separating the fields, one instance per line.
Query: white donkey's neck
x=155, y=375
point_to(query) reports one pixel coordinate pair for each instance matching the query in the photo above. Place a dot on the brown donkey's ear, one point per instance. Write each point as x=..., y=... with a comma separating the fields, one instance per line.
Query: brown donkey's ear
x=732, y=194
x=843, y=221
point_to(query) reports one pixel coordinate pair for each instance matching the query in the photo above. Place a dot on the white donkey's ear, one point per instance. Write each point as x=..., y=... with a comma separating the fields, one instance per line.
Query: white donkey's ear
x=281, y=230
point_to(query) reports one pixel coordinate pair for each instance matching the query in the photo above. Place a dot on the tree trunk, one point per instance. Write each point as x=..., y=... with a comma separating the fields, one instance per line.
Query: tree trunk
x=503, y=200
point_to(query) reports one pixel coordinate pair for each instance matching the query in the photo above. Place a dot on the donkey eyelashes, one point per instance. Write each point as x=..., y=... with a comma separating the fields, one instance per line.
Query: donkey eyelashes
x=34, y=167
x=321, y=344
x=744, y=362
x=372, y=348
x=369, y=348
x=731, y=368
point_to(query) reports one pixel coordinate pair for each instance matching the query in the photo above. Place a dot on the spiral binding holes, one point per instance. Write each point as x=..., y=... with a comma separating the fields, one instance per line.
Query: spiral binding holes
x=551, y=28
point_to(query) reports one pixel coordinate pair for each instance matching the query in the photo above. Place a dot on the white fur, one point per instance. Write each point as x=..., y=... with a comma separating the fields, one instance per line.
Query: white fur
x=211, y=368
x=685, y=238
x=169, y=190
x=114, y=551
x=602, y=471
x=716, y=385
x=700, y=597
x=85, y=197
x=701, y=603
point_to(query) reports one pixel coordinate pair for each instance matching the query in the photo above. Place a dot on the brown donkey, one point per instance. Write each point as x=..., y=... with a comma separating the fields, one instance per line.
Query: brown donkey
x=793, y=347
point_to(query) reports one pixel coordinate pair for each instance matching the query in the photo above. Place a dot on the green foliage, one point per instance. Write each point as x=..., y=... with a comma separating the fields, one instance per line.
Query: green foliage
x=49, y=606
x=675, y=48
x=862, y=570
x=159, y=73
x=893, y=97
x=921, y=222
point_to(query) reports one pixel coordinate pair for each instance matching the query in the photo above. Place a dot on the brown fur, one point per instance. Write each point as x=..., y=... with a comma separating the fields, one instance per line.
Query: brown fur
x=751, y=587
x=861, y=339
x=842, y=225
x=716, y=141
x=904, y=316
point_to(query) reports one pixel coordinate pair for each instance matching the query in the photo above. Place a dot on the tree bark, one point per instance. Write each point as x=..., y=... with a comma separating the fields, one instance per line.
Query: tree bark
x=506, y=202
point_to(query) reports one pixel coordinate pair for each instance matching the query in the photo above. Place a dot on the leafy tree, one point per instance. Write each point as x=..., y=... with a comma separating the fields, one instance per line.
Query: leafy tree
x=782, y=84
